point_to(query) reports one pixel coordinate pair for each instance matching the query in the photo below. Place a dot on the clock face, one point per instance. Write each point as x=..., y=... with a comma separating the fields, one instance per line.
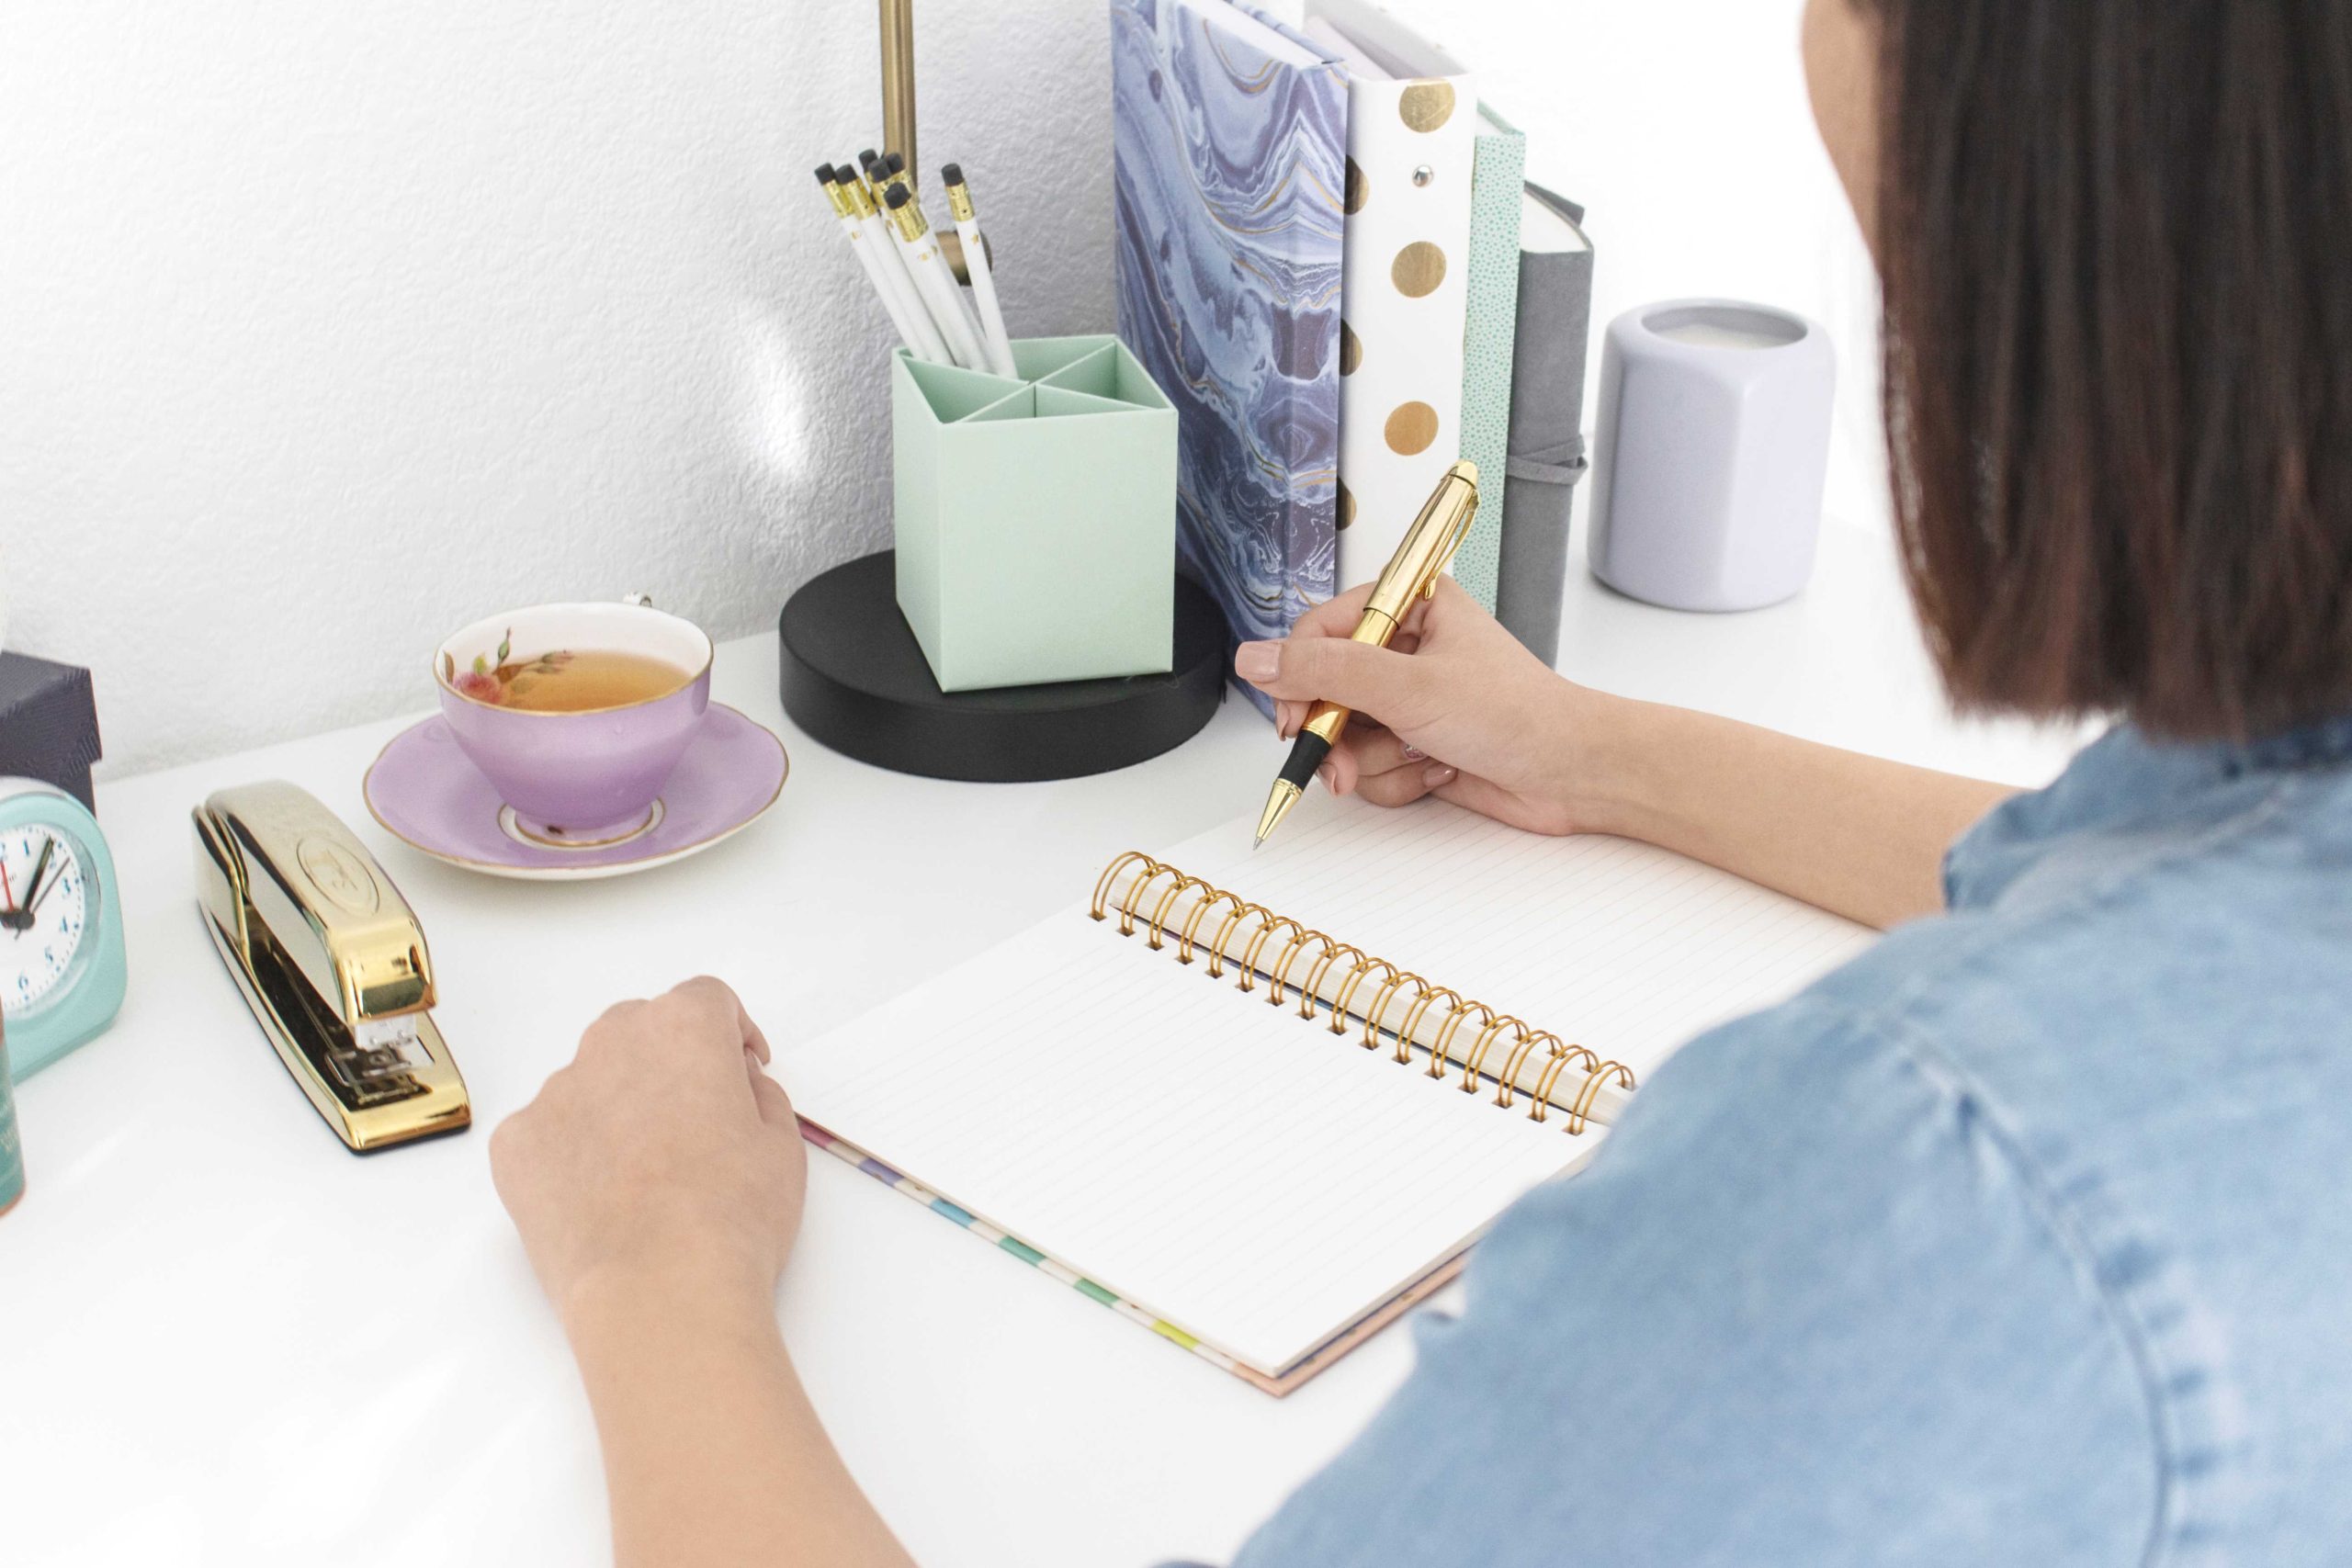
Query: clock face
x=47, y=902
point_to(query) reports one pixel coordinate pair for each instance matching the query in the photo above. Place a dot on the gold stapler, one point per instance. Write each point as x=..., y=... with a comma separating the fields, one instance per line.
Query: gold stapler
x=331, y=960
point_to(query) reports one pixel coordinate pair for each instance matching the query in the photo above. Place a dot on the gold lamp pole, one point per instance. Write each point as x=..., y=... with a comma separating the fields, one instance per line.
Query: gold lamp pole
x=899, y=112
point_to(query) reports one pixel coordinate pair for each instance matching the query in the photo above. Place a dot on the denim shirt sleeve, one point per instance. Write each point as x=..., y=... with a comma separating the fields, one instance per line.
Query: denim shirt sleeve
x=1805, y=1308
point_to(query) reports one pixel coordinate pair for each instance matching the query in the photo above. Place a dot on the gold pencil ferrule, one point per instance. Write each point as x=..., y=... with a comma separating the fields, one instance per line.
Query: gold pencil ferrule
x=860, y=201
x=959, y=202
x=838, y=198
x=908, y=220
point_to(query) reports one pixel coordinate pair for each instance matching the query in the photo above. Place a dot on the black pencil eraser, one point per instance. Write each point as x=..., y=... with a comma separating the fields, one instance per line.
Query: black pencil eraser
x=868, y=158
x=896, y=163
x=825, y=174
x=952, y=173
x=898, y=197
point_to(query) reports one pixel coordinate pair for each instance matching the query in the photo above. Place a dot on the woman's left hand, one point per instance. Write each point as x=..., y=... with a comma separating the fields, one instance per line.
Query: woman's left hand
x=662, y=1154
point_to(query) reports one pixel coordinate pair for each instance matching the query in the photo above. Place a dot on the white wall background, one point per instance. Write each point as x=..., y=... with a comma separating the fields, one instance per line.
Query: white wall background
x=325, y=329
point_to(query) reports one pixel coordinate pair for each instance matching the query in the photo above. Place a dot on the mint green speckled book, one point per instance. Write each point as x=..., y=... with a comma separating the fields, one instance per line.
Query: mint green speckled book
x=1488, y=338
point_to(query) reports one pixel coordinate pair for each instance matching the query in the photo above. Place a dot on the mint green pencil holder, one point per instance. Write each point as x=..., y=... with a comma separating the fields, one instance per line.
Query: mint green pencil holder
x=1036, y=515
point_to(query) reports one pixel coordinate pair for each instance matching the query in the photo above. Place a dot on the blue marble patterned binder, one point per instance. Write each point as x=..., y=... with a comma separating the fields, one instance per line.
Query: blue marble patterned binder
x=1230, y=170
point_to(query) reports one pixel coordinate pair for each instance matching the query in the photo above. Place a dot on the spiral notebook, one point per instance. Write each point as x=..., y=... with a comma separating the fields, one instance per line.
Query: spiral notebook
x=1256, y=1104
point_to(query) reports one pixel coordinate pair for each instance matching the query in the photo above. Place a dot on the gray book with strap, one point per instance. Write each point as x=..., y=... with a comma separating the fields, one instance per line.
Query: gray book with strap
x=1547, y=447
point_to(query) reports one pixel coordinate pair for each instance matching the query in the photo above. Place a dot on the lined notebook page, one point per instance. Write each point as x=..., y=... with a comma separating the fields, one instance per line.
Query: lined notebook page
x=1243, y=1174
x=1623, y=947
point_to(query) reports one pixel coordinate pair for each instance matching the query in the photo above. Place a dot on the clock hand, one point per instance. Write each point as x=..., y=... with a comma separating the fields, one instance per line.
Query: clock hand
x=33, y=889
x=32, y=904
x=14, y=920
x=22, y=919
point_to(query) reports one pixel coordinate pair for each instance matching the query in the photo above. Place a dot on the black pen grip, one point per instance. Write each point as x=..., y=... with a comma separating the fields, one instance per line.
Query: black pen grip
x=1306, y=755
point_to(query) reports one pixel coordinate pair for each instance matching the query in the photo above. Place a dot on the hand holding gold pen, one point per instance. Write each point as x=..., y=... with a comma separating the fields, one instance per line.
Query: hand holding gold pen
x=1411, y=573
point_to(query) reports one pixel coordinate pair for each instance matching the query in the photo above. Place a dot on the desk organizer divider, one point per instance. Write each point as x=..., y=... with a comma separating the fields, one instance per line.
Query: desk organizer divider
x=1035, y=516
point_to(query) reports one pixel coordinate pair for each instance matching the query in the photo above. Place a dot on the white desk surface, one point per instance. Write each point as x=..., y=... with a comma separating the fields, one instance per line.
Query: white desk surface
x=224, y=1340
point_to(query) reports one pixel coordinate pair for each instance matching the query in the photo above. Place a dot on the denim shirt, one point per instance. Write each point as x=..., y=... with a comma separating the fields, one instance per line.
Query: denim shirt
x=2025, y=1238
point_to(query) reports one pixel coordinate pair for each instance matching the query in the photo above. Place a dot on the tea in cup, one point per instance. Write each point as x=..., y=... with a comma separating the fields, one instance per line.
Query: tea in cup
x=577, y=713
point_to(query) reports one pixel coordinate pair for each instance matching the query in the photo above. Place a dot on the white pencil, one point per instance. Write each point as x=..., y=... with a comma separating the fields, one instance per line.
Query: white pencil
x=916, y=333
x=975, y=261
x=894, y=171
x=883, y=245
x=921, y=251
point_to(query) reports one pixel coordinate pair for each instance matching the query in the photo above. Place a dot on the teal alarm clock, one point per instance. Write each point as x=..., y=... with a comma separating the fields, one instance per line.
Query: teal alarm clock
x=61, y=967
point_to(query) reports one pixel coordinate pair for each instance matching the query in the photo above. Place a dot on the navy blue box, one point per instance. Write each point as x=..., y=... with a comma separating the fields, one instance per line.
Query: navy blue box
x=49, y=724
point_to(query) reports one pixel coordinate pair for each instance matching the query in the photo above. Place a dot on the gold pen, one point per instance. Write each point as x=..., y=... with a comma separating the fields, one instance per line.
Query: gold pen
x=1411, y=573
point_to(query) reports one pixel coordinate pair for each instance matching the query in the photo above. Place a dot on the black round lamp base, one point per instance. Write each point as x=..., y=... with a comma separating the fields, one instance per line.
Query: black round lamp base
x=854, y=678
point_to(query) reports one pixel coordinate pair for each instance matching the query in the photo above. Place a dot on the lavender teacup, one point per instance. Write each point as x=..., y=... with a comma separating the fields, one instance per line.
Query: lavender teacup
x=577, y=713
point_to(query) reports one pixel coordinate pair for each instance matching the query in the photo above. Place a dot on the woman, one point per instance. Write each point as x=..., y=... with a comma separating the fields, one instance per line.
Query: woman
x=2027, y=1237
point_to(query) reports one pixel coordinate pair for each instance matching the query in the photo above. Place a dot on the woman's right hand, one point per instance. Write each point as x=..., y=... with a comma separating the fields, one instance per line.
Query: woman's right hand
x=1455, y=706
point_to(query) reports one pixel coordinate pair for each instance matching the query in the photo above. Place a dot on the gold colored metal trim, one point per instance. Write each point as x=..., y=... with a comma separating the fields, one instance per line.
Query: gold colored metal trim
x=896, y=32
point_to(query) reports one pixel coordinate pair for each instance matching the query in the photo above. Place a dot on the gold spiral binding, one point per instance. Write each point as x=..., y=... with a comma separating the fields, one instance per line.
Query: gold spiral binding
x=1398, y=979
x=1217, y=949
x=1560, y=1057
x=1321, y=967
x=1281, y=971
x=1103, y=888
x=1539, y=1107
x=1153, y=872
x=1505, y=1096
x=1413, y=1018
x=1471, y=1063
x=1345, y=993
x=1192, y=926
x=1167, y=901
x=1440, y=1052
x=1258, y=945
x=1592, y=1086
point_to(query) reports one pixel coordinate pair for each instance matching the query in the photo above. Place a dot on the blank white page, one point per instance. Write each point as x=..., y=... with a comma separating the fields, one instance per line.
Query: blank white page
x=1623, y=947
x=1222, y=1164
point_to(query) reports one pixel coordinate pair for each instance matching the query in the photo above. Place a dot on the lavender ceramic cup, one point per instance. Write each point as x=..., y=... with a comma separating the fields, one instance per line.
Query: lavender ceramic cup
x=590, y=777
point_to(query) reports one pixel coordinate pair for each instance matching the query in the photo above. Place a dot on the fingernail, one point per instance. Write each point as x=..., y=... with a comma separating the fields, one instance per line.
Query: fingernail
x=1330, y=779
x=1258, y=660
x=1437, y=776
x=1415, y=754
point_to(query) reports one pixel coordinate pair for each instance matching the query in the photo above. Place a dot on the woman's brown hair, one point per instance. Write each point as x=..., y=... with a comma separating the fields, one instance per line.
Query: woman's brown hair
x=2115, y=237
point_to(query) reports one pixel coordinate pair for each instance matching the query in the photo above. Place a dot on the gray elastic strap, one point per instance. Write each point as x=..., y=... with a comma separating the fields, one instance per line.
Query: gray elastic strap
x=1561, y=465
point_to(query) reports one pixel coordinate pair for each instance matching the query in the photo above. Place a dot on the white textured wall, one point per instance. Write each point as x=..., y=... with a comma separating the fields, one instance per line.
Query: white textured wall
x=326, y=328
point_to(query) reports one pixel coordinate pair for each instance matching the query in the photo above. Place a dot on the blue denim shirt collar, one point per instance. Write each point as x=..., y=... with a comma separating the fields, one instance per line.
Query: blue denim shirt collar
x=2130, y=788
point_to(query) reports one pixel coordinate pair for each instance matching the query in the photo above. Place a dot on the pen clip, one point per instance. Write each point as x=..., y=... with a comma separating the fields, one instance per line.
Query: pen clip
x=1446, y=556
